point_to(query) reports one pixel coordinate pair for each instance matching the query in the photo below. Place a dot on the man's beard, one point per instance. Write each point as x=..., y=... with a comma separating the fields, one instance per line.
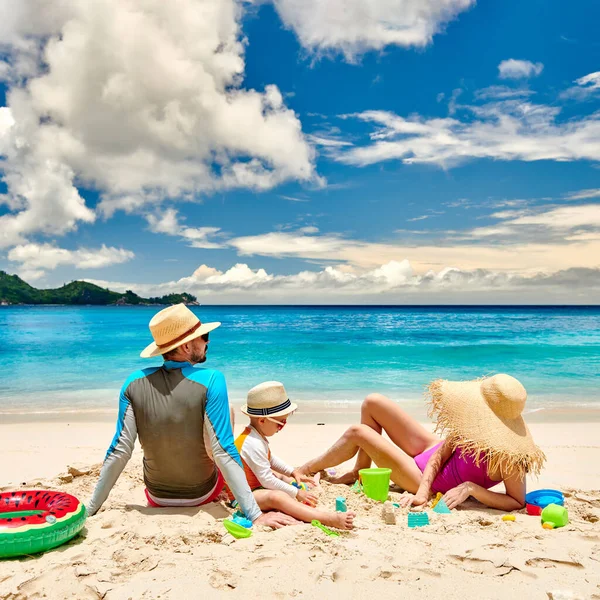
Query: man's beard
x=198, y=358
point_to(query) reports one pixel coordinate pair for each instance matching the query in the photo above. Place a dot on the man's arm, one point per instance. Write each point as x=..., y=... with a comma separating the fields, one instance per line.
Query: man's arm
x=118, y=454
x=225, y=454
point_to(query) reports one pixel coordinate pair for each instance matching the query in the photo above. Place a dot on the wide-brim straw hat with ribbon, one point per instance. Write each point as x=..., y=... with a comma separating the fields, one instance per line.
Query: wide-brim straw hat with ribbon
x=483, y=419
x=268, y=399
x=172, y=327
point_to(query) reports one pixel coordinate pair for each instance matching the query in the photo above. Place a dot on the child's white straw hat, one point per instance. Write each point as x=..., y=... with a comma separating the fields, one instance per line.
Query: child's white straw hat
x=268, y=399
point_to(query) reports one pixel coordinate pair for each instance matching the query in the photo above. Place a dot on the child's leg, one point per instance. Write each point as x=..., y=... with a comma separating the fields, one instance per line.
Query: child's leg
x=277, y=500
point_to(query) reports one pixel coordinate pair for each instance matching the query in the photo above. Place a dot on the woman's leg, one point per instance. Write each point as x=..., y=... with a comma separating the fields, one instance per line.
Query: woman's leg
x=280, y=501
x=379, y=412
x=384, y=453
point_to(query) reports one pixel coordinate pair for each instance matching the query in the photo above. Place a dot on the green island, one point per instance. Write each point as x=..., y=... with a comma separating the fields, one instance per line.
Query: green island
x=13, y=290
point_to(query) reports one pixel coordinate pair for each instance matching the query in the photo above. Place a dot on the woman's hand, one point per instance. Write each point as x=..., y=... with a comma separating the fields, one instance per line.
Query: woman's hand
x=301, y=477
x=307, y=498
x=413, y=500
x=456, y=496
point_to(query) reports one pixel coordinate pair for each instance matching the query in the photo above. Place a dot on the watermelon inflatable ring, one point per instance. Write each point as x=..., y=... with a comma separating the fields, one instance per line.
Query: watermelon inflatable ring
x=37, y=520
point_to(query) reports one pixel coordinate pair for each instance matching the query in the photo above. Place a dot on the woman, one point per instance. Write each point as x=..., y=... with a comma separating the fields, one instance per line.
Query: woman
x=486, y=442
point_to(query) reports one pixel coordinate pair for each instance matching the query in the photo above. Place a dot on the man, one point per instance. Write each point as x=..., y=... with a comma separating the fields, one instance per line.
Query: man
x=174, y=409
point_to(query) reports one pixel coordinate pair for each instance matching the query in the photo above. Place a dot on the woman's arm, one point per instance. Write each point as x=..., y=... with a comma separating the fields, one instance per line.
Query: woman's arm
x=435, y=463
x=513, y=499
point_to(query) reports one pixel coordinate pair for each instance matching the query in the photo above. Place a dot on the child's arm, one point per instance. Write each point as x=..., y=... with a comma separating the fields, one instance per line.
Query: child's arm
x=279, y=466
x=255, y=456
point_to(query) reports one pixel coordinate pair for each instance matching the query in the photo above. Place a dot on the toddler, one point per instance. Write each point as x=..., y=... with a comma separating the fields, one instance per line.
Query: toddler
x=269, y=477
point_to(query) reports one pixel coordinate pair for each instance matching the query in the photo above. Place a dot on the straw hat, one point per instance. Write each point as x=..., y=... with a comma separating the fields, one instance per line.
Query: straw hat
x=172, y=327
x=483, y=418
x=268, y=399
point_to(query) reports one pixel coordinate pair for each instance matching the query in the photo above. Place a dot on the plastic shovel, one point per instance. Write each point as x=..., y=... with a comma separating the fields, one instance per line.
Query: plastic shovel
x=236, y=530
x=322, y=527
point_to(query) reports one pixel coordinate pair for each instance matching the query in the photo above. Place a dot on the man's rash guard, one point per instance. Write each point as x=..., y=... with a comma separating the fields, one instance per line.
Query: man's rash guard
x=171, y=408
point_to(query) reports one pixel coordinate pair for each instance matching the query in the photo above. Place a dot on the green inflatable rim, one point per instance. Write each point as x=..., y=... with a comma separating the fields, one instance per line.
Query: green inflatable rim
x=32, y=539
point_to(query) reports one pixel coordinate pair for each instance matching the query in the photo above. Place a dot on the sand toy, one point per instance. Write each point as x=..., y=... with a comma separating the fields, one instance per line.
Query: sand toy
x=554, y=516
x=375, y=483
x=441, y=508
x=509, y=518
x=239, y=518
x=437, y=498
x=538, y=500
x=340, y=504
x=236, y=530
x=317, y=523
x=418, y=519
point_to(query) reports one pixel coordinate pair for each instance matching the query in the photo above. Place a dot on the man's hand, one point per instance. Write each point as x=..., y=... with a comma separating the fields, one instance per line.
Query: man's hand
x=276, y=520
x=456, y=496
x=301, y=477
x=307, y=498
x=412, y=500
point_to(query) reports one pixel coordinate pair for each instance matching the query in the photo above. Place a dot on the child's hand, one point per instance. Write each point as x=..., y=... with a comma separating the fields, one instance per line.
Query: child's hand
x=307, y=498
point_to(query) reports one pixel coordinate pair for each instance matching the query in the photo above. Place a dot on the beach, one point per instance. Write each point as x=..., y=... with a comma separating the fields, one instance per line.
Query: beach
x=131, y=551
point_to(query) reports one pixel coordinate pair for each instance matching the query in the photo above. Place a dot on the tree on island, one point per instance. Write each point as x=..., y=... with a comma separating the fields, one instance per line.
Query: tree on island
x=13, y=290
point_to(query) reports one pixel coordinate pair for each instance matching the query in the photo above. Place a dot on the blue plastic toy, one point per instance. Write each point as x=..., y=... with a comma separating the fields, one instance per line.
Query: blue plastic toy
x=418, y=519
x=240, y=519
x=538, y=500
x=441, y=507
x=340, y=504
x=300, y=486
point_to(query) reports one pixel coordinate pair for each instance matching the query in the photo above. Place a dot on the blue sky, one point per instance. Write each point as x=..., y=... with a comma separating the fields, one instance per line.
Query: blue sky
x=384, y=151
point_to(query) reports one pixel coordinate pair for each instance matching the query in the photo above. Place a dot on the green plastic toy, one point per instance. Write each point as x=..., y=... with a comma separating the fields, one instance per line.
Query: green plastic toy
x=554, y=516
x=317, y=523
x=375, y=483
x=236, y=530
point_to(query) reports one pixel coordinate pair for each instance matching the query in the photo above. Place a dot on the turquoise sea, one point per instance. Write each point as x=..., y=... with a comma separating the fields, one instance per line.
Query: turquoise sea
x=58, y=358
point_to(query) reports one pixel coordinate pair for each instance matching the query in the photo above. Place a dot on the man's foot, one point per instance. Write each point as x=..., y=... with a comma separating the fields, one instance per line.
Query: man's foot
x=340, y=520
x=345, y=478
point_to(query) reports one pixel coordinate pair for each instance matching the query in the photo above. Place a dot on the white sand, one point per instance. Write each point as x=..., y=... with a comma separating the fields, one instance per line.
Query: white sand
x=131, y=551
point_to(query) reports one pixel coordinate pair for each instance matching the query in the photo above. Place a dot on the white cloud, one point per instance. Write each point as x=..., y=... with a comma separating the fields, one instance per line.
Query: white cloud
x=328, y=142
x=591, y=81
x=519, y=69
x=167, y=222
x=140, y=99
x=559, y=224
x=394, y=281
x=502, y=92
x=35, y=259
x=280, y=244
x=582, y=194
x=505, y=130
x=584, y=88
x=356, y=26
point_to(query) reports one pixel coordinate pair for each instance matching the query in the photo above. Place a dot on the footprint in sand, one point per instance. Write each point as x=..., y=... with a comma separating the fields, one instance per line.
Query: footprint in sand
x=223, y=580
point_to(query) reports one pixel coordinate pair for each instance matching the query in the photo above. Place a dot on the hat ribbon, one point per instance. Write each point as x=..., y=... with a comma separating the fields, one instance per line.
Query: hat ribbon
x=264, y=412
x=181, y=337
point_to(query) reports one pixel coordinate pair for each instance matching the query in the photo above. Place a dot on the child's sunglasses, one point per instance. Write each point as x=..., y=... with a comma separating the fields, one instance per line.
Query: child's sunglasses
x=281, y=424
